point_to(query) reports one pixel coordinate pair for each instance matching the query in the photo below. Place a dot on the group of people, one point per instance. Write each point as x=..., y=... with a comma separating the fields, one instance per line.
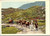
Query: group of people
x=26, y=23
x=35, y=25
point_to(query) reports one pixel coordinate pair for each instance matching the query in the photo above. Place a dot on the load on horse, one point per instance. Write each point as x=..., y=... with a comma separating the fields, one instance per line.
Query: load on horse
x=10, y=21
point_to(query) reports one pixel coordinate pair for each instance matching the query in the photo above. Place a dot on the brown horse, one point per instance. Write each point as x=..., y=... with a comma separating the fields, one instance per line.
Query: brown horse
x=19, y=21
x=23, y=22
x=27, y=24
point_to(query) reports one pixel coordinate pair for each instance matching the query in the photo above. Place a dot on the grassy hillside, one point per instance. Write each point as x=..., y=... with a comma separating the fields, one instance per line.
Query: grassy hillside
x=6, y=11
x=32, y=12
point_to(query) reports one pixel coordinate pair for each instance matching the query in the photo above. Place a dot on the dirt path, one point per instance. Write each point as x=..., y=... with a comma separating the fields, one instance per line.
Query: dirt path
x=26, y=30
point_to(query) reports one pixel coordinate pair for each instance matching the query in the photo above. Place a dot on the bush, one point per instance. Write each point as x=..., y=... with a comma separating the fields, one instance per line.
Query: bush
x=10, y=30
x=41, y=24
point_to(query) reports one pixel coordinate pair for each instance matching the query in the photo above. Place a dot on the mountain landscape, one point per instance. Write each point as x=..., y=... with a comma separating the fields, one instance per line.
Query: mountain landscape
x=37, y=3
x=26, y=11
x=31, y=11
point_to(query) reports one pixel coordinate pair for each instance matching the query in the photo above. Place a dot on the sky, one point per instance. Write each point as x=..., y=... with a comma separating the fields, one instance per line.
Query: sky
x=13, y=4
x=16, y=3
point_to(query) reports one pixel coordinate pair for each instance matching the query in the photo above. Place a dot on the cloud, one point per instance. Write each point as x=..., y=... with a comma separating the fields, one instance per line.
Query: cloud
x=28, y=1
x=18, y=1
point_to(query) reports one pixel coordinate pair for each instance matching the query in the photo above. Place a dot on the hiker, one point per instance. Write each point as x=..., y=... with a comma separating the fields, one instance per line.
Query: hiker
x=31, y=26
x=36, y=26
x=11, y=20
